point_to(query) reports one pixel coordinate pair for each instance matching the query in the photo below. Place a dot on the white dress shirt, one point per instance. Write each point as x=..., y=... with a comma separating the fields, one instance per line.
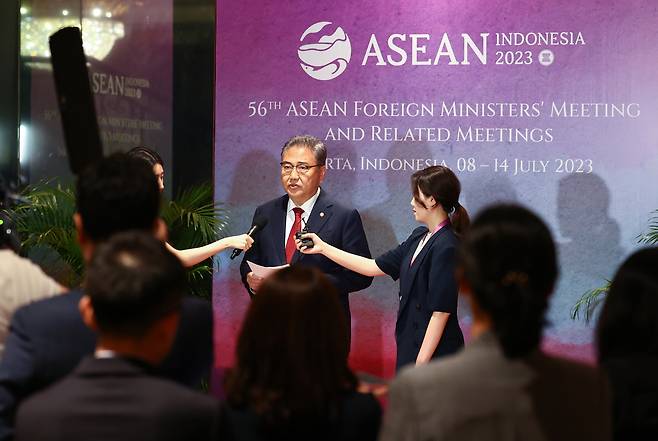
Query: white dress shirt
x=290, y=215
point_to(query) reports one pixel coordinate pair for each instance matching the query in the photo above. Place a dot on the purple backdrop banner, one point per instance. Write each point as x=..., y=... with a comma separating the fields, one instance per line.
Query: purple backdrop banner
x=550, y=104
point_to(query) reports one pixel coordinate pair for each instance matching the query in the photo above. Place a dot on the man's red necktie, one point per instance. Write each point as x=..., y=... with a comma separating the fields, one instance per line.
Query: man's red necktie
x=296, y=226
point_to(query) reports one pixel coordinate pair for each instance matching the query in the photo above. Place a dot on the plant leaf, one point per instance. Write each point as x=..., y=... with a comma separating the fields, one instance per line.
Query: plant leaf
x=650, y=237
x=47, y=221
x=194, y=219
x=592, y=298
x=589, y=301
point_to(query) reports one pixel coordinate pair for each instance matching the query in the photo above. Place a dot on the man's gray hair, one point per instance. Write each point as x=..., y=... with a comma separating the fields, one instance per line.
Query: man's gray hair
x=310, y=142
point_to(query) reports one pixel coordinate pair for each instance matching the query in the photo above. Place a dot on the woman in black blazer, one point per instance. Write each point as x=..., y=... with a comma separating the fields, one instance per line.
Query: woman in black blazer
x=427, y=325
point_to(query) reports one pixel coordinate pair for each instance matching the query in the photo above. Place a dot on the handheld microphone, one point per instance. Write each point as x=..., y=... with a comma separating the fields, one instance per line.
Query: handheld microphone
x=308, y=243
x=259, y=224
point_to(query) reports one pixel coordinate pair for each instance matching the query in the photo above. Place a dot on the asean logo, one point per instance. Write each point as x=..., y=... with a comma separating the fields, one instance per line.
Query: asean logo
x=324, y=56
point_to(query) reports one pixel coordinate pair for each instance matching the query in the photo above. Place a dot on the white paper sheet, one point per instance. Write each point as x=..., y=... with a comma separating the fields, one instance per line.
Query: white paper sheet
x=264, y=271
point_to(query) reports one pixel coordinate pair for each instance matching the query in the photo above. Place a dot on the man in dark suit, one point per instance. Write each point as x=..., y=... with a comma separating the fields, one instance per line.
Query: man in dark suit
x=47, y=339
x=306, y=205
x=132, y=300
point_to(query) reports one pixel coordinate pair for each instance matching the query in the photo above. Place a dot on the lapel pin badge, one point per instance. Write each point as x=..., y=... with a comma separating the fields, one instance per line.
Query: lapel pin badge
x=322, y=214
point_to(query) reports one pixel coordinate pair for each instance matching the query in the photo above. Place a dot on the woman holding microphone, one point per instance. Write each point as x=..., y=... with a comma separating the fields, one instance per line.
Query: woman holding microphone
x=191, y=256
x=427, y=325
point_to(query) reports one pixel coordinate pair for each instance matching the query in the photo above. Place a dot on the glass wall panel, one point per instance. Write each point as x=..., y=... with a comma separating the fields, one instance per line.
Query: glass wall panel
x=129, y=48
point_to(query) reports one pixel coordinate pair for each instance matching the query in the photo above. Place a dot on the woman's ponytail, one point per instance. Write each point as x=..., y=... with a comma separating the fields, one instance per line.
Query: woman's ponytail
x=460, y=219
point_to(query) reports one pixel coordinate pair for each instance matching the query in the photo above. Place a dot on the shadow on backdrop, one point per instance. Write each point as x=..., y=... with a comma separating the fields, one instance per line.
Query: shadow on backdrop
x=479, y=191
x=484, y=189
x=591, y=250
x=367, y=350
x=256, y=180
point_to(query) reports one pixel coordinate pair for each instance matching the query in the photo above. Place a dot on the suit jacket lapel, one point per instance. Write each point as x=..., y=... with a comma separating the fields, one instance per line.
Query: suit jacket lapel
x=317, y=219
x=278, y=225
x=412, y=270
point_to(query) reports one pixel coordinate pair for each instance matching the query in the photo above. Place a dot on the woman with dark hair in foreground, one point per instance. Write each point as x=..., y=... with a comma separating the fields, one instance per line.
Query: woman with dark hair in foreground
x=191, y=256
x=502, y=386
x=291, y=380
x=627, y=342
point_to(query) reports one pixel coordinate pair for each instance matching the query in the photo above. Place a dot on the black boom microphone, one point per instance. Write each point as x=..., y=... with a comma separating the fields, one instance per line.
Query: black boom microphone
x=75, y=100
x=259, y=224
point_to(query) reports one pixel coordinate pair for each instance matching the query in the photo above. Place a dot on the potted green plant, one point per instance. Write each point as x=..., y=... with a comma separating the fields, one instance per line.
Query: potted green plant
x=49, y=237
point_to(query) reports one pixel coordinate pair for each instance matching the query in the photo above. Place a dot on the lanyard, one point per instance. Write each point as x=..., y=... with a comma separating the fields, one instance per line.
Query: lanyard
x=424, y=240
x=441, y=225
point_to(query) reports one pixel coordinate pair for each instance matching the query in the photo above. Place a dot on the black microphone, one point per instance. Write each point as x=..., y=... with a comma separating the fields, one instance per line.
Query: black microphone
x=259, y=224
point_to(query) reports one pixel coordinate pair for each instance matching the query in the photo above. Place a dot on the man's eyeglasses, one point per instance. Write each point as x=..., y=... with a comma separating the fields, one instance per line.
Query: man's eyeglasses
x=302, y=168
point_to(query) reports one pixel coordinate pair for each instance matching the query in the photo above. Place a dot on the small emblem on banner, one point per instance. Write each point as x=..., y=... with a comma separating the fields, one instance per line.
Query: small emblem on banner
x=546, y=57
x=324, y=56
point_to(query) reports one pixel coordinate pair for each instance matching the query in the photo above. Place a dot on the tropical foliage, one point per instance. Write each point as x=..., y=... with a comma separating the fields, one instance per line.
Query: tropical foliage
x=650, y=237
x=46, y=227
x=588, y=302
x=194, y=220
x=591, y=299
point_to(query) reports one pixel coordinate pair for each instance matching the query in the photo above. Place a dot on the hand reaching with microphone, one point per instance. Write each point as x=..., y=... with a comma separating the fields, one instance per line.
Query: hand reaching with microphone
x=241, y=242
x=192, y=256
x=258, y=224
x=354, y=262
x=318, y=245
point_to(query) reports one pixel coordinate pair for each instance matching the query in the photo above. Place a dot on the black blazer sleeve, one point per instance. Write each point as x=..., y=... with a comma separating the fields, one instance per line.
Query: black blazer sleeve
x=353, y=240
x=391, y=261
x=253, y=254
x=442, y=290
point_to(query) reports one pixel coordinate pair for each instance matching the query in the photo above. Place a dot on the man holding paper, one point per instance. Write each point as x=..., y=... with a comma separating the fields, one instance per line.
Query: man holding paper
x=306, y=205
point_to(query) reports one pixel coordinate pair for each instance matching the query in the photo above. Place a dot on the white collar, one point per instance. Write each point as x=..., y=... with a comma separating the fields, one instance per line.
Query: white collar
x=306, y=206
x=105, y=353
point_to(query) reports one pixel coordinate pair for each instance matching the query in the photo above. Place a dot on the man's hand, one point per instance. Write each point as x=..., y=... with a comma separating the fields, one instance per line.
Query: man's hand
x=254, y=282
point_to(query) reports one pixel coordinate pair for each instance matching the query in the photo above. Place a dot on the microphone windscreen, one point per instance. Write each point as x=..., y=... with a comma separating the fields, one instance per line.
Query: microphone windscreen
x=75, y=100
x=260, y=222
